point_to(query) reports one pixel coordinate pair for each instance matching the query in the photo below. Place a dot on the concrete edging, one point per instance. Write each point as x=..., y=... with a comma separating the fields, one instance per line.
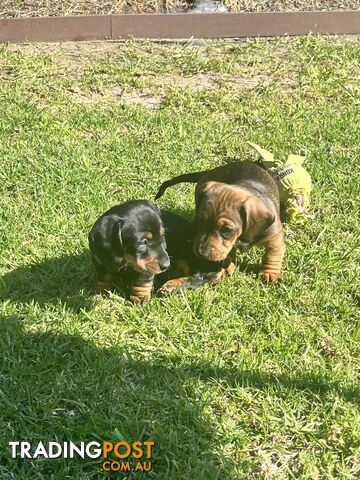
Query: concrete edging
x=177, y=26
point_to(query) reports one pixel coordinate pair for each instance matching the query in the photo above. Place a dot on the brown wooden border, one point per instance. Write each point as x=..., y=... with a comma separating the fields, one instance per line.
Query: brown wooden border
x=177, y=26
x=55, y=29
x=234, y=24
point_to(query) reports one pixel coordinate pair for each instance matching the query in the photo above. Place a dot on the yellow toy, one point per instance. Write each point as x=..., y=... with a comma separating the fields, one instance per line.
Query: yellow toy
x=293, y=181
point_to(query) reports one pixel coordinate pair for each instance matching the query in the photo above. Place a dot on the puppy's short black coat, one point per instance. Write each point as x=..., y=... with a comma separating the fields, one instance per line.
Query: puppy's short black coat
x=187, y=271
x=128, y=248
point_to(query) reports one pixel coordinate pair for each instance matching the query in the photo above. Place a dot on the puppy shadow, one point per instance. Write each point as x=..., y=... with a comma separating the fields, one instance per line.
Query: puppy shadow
x=68, y=279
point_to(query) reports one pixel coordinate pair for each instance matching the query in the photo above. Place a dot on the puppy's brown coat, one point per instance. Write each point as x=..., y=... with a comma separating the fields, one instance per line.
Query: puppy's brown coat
x=236, y=205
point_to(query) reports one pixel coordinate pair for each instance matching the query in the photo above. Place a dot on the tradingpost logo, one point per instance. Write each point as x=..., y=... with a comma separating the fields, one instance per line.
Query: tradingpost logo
x=115, y=457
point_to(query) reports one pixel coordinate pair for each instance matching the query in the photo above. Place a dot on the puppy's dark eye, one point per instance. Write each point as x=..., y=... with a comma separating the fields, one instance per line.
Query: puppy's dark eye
x=226, y=232
x=145, y=241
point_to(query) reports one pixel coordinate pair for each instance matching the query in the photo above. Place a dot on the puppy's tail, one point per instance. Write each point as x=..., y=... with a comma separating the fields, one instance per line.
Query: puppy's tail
x=187, y=177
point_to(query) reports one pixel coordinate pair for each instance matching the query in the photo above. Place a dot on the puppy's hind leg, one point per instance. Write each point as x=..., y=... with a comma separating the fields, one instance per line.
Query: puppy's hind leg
x=191, y=282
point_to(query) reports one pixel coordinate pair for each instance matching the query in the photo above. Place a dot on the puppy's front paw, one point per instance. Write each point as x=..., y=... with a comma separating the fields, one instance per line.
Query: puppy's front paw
x=103, y=288
x=141, y=293
x=230, y=269
x=137, y=301
x=268, y=277
x=168, y=288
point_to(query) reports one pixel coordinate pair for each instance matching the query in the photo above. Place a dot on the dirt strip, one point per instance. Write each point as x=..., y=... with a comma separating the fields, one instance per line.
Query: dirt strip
x=34, y=8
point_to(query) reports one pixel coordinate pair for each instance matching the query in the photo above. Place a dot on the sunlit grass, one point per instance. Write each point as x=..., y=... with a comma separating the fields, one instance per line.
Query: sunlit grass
x=239, y=381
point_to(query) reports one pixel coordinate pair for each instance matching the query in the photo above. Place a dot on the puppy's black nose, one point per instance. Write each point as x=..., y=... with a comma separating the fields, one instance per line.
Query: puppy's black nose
x=164, y=263
x=243, y=246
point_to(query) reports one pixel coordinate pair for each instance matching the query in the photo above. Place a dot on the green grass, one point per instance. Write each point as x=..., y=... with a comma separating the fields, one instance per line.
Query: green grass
x=237, y=381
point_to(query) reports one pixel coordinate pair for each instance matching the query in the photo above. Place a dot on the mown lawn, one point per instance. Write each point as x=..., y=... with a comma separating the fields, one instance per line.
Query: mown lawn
x=237, y=381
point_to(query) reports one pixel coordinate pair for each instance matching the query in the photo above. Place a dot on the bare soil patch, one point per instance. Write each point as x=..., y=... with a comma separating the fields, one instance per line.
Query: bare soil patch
x=138, y=98
x=116, y=93
x=33, y=8
x=152, y=99
x=72, y=56
x=211, y=81
x=74, y=59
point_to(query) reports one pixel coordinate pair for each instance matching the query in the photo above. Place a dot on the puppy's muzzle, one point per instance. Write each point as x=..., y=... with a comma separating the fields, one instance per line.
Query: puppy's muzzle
x=164, y=263
x=158, y=265
x=209, y=253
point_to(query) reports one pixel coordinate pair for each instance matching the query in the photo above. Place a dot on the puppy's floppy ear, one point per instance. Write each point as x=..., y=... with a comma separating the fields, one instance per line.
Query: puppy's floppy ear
x=119, y=258
x=200, y=191
x=256, y=218
x=119, y=226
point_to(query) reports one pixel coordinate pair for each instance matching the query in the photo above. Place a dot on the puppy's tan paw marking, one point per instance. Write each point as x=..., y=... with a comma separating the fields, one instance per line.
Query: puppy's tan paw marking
x=268, y=277
x=230, y=269
x=137, y=301
x=168, y=288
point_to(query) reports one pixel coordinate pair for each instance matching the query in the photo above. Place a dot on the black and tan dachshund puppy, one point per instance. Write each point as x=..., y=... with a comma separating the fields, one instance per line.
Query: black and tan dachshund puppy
x=237, y=206
x=187, y=271
x=128, y=248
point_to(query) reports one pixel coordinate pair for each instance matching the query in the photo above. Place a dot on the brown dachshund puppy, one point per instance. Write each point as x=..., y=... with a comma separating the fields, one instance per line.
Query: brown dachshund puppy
x=237, y=205
x=187, y=271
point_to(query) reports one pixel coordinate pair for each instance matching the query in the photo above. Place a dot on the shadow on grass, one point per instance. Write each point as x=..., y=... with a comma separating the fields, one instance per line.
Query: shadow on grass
x=68, y=279
x=62, y=387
